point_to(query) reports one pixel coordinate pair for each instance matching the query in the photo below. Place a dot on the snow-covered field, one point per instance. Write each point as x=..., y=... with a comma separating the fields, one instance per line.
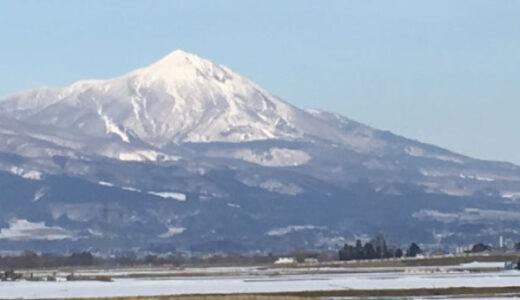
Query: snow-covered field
x=253, y=284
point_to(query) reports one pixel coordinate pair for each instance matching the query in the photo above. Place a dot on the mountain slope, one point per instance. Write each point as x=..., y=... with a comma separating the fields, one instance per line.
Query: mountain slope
x=181, y=98
x=192, y=142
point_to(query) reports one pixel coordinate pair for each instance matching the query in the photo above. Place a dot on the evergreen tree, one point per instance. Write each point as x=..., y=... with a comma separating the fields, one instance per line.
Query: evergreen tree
x=517, y=246
x=398, y=253
x=480, y=247
x=368, y=251
x=413, y=250
x=359, y=250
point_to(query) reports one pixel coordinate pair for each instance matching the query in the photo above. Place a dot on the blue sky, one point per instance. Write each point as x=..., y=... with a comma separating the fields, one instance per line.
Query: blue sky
x=443, y=72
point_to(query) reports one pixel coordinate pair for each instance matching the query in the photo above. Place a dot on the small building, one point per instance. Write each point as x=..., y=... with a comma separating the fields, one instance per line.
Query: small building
x=311, y=261
x=285, y=261
x=462, y=250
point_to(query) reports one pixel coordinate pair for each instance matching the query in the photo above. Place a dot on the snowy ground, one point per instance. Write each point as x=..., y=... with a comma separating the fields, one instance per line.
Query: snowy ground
x=252, y=284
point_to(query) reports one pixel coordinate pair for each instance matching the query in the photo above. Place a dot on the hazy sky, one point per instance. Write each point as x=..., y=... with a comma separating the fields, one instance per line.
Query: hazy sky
x=443, y=72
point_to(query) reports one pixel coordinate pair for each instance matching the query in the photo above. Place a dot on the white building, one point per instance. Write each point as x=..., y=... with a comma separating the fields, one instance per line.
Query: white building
x=285, y=261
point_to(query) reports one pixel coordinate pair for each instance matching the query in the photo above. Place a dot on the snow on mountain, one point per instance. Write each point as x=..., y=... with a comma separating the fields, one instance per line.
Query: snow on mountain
x=172, y=231
x=182, y=98
x=274, y=157
x=33, y=175
x=169, y=195
x=23, y=230
x=293, y=228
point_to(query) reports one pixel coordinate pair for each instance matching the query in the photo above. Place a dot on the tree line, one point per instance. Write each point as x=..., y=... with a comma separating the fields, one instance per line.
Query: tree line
x=30, y=260
x=376, y=248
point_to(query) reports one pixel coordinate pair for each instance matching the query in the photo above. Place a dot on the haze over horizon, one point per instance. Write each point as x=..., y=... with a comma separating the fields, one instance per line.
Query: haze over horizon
x=443, y=72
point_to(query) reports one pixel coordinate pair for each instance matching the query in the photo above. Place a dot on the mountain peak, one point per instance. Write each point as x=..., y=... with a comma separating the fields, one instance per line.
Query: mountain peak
x=179, y=65
x=179, y=53
x=179, y=57
x=180, y=98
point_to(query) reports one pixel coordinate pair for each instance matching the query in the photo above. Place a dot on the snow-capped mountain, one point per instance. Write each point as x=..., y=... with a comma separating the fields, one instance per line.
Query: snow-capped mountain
x=215, y=144
x=181, y=98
